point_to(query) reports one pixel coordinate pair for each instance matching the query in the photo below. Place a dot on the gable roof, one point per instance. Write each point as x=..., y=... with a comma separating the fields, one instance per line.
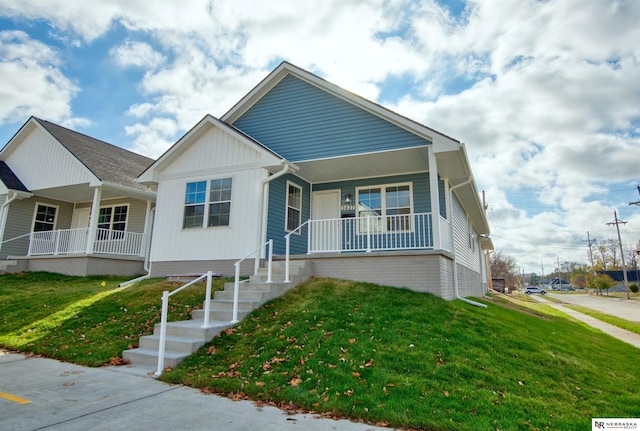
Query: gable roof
x=451, y=155
x=10, y=180
x=149, y=175
x=285, y=68
x=109, y=163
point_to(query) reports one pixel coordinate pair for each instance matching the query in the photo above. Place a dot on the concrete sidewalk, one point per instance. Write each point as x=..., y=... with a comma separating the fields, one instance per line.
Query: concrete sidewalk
x=619, y=333
x=45, y=394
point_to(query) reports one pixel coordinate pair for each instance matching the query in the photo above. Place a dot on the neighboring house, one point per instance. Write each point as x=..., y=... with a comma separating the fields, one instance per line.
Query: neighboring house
x=52, y=181
x=357, y=190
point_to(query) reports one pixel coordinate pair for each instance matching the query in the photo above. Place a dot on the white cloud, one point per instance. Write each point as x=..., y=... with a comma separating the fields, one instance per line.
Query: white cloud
x=138, y=54
x=32, y=80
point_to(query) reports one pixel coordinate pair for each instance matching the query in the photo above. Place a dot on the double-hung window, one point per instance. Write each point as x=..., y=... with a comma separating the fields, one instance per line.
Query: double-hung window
x=112, y=222
x=294, y=207
x=207, y=203
x=384, y=208
x=45, y=218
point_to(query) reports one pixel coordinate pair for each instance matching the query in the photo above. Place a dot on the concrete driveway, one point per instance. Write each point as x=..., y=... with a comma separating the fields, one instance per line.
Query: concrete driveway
x=45, y=394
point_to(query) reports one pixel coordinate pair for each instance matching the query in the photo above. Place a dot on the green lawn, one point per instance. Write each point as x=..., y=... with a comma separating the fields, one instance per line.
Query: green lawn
x=377, y=354
x=78, y=320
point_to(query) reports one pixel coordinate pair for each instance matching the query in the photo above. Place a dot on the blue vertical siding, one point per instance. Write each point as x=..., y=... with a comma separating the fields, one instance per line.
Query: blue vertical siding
x=302, y=122
x=276, y=217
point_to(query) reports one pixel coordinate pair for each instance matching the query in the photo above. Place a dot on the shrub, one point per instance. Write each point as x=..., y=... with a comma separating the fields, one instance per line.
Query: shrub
x=633, y=287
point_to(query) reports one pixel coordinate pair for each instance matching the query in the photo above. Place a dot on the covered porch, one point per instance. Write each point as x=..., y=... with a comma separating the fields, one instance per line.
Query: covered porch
x=63, y=236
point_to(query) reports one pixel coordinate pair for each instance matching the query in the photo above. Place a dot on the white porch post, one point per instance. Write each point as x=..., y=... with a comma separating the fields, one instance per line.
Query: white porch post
x=435, y=200
x=93, y=221
x=147, y=230
x=4, y=210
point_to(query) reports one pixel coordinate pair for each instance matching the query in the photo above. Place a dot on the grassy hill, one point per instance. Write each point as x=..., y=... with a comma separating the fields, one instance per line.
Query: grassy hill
x=413, y=360
x=377, y=354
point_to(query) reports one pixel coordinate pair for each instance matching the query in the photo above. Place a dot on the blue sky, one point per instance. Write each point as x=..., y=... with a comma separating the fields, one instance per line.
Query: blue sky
x=545, y=99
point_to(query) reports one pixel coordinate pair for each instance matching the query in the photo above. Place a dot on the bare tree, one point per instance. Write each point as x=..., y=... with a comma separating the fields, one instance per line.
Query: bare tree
x=614, y=248
x=601, y=258
x=504, y=266
x=631, y=258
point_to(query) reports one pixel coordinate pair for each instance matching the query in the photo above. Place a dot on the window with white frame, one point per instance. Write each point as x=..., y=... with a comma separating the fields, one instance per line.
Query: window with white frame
x=207, y=203
x=384, y=208
x=112, y=222
x=294, y=207
x=45, y=218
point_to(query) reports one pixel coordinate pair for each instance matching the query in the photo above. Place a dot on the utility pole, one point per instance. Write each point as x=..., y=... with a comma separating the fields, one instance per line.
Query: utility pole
x=636, y=202
x=624, y=270
x=559, y=275
x=589, y=242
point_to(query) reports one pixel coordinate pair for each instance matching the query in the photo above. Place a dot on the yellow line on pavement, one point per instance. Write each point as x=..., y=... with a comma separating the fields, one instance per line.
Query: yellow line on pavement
x=14, y=398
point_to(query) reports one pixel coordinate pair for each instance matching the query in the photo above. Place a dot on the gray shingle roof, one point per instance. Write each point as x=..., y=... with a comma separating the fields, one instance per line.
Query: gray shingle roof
x=10, y=180
x=108, y=162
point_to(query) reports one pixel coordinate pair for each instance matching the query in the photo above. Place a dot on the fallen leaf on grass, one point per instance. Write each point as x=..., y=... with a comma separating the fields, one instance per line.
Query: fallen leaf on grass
x=295, y=381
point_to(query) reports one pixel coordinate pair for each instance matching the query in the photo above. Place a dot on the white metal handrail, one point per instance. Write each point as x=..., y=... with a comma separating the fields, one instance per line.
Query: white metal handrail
x=236, y=283
x=165, y=307
x=15, y=238
x=287, y=239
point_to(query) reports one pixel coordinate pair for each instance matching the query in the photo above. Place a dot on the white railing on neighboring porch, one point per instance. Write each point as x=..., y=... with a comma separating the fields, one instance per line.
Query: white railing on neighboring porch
x=74, y=241
x=372, y=233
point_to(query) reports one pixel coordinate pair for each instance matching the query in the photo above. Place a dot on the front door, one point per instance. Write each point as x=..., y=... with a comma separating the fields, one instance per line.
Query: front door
x=78, y=234
x=325, y=213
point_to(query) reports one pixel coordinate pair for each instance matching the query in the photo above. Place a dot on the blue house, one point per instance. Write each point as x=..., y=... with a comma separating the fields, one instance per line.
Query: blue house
x=346, y=185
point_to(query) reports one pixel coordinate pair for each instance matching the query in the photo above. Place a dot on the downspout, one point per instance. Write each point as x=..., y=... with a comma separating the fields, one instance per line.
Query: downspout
x=286, y=168
x=147, y=253
x=5, y=211
x=453, y=246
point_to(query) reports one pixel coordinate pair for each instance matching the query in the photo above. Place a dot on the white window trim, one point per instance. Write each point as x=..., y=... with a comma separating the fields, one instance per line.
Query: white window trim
x=383, y=205
x=126, y=222
x=35, y=213
x=286, y=207
x=207, y=202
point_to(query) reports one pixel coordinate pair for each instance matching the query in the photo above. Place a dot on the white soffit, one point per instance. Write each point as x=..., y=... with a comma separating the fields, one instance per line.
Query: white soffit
x=365, y=165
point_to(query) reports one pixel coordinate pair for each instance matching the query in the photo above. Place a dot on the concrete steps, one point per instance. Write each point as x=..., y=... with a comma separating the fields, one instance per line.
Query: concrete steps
x=185, y=337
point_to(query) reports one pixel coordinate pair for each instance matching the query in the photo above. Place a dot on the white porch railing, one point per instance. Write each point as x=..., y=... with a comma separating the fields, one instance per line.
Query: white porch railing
x=373, y=233
x=445, y=234
x=74, y=241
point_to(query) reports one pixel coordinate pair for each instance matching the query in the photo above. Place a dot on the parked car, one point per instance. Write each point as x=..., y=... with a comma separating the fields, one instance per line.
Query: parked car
x=531, y=290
